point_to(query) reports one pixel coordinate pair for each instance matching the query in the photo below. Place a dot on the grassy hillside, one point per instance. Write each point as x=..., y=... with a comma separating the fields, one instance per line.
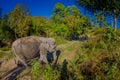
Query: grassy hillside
x=97, y=57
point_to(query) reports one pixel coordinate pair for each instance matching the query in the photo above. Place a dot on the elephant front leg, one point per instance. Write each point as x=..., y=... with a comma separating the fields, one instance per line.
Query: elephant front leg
x=43, y=56
x=43, y=59
x=21, y=61
x=54, y=57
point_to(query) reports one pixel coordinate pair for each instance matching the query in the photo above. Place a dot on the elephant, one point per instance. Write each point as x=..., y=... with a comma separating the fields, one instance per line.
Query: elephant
x=28, y=48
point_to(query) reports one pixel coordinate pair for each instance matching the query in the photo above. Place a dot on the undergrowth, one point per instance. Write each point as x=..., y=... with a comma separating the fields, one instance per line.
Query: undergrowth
x=97, y=58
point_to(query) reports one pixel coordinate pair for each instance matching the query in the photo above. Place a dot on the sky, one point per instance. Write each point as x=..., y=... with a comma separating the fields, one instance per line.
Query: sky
x=36, y=7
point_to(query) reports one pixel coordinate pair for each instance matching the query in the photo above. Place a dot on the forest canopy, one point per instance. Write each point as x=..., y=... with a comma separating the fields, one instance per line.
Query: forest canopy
x=66, y=22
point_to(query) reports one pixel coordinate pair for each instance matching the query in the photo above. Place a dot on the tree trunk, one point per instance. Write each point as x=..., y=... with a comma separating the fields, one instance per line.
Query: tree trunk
x=16, y=36
x=111, y=23
x=115, y=20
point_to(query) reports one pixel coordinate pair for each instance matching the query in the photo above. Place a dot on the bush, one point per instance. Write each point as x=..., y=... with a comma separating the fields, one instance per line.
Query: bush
x=110, y=35
x=35, y=71
x=46, y=72
x=50, y=73
x=61, y=30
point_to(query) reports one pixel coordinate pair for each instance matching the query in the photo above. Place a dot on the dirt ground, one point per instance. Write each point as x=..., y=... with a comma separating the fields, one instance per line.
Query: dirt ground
x=10, y=71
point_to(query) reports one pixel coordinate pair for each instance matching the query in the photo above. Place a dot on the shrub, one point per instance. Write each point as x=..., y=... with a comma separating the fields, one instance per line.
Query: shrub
x=61, y=30
x=35, y=71
x=110, y=35
x=50, y=73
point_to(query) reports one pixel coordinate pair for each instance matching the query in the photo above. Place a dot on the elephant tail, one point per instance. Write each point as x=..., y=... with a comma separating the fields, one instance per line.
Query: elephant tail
x=13, y=51
x=18, y=57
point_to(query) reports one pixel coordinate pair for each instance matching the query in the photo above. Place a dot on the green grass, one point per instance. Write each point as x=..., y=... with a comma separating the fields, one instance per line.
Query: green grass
x=2, y=54
x=60, y=40
x=92, y=59
x=89, y=57
x=10, y=55
x=35, y=71
x=5, y=48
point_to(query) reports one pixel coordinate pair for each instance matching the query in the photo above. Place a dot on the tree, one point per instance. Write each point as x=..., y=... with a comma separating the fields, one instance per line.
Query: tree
x=6, y=33
x=99, y=19
x=59, y=12
x=77, y=25
x=73, y=10
x=107, y=6
x=19, y=20
x=24, y=9
x=61, y=30
x=41, y=26
x=73, y=23
x=76, y=21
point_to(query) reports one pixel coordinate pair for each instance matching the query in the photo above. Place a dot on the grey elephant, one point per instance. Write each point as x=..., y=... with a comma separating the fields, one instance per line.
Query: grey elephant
x=30, y=47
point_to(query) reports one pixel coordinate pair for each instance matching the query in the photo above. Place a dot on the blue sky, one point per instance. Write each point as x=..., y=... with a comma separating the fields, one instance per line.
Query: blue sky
x=37, y=7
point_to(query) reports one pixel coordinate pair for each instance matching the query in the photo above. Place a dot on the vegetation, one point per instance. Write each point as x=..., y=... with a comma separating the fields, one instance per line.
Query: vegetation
x=35, y=71
x=87, y=60
x=110, y=7
x=88, y=52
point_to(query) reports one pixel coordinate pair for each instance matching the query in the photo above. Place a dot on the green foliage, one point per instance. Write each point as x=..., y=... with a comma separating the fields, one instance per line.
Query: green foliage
x=74, y=22
x=73, y=10
x=50, y=74
x=110, y=38
x=66, y=22
x=10, y=55
x=110, y=35
x=74, y=68
x=95, y=5
x=24, y=9
x=6, y=34
x=19, y=21
x=100, y=67
x=61, y=30
x=77, y=25
x=7, y=55
x=96, y=58
x=46, y=72
x=111, y=67
x=105, y=6
x=6, y=48
x=59, y=12
x=99, y=20
x=42, y=26
x=60, y=40
x=35, y=71
x=93, y=60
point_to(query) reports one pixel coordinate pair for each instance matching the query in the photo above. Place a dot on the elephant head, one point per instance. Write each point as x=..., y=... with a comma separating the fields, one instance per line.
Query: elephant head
x=51, y=44
x=48, y=45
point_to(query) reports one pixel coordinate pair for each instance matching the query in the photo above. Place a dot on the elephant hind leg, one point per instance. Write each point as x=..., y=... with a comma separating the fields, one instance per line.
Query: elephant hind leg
x=17, y=62
x=21, y=62
x=20, y=58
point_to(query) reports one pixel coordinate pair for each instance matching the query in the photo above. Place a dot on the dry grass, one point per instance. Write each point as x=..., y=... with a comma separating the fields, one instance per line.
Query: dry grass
x=69, y=50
